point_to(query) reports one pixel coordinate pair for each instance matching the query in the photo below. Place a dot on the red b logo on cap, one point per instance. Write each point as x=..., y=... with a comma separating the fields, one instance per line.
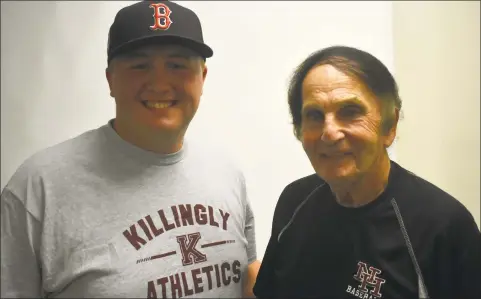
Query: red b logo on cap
x=159, y=16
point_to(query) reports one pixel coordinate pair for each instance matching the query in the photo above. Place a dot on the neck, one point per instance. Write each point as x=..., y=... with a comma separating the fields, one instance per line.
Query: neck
x=148, y=139
x=366, y=188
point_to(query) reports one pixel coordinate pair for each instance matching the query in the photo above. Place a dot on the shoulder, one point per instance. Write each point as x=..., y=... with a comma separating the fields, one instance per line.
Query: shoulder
x=292, y=196
x=48, y=161
x=303, y=185
x=429, y=203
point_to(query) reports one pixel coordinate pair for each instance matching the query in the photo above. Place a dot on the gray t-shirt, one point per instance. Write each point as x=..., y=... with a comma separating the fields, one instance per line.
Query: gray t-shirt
x=96, y=216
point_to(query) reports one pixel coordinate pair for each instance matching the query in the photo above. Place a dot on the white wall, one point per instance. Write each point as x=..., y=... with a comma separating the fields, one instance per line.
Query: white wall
x=53, y=84
x=437, y=48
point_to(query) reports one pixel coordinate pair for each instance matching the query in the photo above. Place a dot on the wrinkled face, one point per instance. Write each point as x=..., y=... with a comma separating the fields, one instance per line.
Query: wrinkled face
x=341, y=125
x=157, y=87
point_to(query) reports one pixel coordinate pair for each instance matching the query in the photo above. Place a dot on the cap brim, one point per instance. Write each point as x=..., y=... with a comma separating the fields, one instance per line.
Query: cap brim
x=202, y=49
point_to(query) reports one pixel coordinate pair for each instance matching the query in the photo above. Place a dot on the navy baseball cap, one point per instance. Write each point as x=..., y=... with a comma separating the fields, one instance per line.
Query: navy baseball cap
x=155, y=22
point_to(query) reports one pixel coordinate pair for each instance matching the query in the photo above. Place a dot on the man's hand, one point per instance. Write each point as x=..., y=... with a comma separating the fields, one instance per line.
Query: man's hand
x=250, y=280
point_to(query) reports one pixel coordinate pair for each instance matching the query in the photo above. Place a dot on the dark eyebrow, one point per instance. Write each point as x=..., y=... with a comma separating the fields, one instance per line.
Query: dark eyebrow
x=181, y=55
x=350, y=101
x=311, y=106
x=342, y=102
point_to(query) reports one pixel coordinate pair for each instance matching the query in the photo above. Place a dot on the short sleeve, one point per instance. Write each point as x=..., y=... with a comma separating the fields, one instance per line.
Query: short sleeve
x=20, y=239
x=250, y=234
x=466, y=248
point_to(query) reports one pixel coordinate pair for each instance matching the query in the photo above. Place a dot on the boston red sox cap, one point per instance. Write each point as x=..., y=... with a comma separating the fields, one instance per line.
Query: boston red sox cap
x=149, y=22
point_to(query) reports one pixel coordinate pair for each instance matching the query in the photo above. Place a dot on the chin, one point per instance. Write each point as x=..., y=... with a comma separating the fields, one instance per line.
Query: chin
x=332, y=178
x=163, y=124
x=333, y=175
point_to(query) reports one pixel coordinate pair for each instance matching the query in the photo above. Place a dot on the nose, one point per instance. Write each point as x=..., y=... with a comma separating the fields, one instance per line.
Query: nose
x=159, y=79
x=332, y=130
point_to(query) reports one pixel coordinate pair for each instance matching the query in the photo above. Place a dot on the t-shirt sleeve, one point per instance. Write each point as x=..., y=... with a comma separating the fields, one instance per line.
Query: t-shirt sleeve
x=20, y=239
x=249, y=228
x=466, y=242
x=250, y=235
x=265, y=286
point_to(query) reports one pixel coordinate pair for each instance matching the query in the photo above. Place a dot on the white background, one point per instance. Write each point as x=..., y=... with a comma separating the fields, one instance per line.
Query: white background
x=54, y=86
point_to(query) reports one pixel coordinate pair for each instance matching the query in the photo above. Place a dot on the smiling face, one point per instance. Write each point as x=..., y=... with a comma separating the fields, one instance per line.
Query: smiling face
x=156, y=88
x=341, y=125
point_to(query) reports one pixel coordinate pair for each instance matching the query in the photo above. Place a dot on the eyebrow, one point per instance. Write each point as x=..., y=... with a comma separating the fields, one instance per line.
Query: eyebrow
x=180, y=55
x=354, y=100
x=349, y=101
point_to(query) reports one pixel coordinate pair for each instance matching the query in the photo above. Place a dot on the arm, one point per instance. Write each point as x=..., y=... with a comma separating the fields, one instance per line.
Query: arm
x=252, y=271
x=466, y=253
x=264, y=286
x=20, y=239
x=254, y=264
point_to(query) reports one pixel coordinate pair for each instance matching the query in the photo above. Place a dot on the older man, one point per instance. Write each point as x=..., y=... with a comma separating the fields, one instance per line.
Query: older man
x=130, y=209
x=362, y=226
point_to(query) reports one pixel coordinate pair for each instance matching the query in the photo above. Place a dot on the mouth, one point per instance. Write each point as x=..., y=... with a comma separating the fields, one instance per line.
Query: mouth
x=158, y=104
x=335, y=155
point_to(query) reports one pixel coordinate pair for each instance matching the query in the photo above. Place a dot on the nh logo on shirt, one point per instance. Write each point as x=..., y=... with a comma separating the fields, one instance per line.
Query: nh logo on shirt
x=369, y=282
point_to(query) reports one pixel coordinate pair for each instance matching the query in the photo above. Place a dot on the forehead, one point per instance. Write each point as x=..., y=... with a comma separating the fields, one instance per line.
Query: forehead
x=152, y=51
x=326, y=78
x=327, y=83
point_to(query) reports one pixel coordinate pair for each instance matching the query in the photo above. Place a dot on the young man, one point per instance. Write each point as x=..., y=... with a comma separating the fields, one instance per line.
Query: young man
x=131, y=209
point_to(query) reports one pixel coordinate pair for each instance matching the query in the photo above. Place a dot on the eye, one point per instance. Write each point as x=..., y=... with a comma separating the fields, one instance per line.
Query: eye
x=140, y=66
x=350, y=111
x=176, y=65
x=314, y=115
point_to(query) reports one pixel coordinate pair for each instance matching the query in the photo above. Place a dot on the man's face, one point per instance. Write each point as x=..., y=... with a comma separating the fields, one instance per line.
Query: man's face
x=157, y=87
x=341, y=125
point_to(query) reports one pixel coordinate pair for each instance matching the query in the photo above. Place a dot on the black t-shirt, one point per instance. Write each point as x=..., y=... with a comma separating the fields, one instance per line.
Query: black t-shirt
x=320, y=249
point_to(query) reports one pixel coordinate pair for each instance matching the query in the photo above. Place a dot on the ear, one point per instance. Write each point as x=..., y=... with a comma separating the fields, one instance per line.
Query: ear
x=391, y=134
x=204, y=75
x=204, y=72
x=108, y=75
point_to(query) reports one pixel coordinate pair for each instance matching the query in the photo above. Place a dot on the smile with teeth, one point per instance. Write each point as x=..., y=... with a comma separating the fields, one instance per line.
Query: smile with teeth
x=158, y=105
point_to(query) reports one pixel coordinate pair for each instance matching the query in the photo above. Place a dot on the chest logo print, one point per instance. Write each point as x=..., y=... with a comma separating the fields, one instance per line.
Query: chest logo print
x=370, y=283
